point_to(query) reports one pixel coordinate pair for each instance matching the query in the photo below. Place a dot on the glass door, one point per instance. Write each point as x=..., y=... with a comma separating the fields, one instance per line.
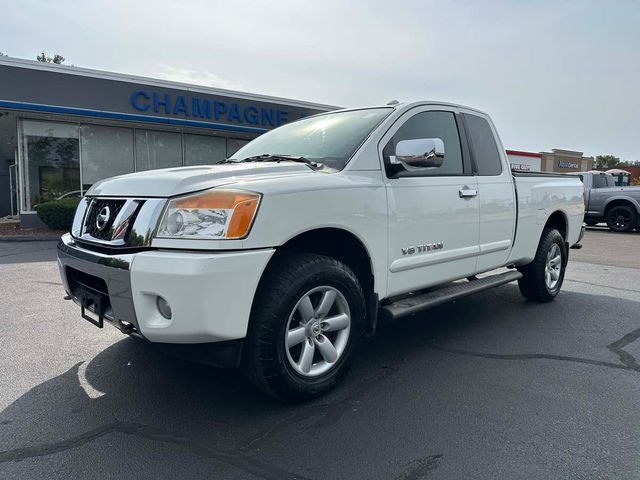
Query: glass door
x=50, y=163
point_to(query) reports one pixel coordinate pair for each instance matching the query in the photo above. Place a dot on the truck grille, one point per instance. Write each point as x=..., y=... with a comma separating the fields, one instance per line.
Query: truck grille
x=117, y=222
x=101, y=217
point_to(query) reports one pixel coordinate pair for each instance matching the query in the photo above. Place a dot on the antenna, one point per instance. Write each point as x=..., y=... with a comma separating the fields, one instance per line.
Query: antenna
x=393, y=102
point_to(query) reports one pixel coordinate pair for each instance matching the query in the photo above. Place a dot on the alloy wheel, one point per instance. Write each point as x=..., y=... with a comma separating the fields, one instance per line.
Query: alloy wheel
x=553, y=267
x=317, y=331
x=619, y=218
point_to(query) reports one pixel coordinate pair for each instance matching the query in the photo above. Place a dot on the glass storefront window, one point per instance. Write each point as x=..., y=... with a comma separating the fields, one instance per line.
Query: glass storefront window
x=155, y=149
x=51, y=166
x=106, y=152
x=204, y=150
x=235, y=144
x=55, y=156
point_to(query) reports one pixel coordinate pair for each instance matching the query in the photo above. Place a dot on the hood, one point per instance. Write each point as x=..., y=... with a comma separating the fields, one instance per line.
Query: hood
x=176, y=181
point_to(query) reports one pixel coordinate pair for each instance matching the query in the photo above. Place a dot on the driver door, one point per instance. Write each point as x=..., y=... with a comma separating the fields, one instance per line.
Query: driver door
x=433, y=234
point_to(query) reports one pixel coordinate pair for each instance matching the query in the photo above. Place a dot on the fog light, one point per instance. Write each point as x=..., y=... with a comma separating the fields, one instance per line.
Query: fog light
x=163, y=307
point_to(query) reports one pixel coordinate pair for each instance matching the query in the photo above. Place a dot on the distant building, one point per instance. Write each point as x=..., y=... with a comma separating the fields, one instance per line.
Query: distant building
x=524, y=161
x=564, y=161
x=560, y=161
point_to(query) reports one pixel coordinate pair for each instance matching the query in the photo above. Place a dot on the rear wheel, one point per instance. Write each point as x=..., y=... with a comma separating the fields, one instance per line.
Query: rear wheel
x=307, y=316
x=621, y=218
x=543, y=277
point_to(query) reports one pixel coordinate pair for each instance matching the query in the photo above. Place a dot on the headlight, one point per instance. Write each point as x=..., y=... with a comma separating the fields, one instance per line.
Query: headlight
x=212, y=214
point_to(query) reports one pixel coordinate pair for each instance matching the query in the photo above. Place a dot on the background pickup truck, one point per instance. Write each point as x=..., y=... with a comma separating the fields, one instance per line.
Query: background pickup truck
x=604, y=202
x=280, y=259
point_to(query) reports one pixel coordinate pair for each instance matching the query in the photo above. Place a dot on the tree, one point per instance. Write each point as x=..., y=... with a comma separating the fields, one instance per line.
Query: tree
x=3, y=54
x=628, y=163
x=607, y=161
x=57, y=59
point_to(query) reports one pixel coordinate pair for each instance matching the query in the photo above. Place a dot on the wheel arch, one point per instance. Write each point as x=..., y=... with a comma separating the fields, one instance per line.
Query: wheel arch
x=560, y=222
x=335, y=242
x=345, y=246
x=621, y=200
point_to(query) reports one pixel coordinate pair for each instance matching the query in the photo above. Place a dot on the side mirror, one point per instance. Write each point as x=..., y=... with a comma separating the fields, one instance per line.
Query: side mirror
x=420, y=153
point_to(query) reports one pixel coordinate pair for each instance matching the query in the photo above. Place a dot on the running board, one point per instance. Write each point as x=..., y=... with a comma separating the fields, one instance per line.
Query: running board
x=416, y=303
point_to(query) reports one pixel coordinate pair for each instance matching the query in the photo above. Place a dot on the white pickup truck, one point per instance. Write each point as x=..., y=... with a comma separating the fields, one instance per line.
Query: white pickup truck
x=280, y=259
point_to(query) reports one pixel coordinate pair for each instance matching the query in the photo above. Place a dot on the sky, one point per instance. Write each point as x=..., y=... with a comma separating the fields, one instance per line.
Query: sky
x=552, y=74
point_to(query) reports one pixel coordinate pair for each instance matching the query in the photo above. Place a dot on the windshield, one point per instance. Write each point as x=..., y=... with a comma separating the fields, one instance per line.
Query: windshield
x=330, y=139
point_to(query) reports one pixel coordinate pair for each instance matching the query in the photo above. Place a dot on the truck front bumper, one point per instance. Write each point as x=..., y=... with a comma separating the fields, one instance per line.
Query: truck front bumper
x=210, y=294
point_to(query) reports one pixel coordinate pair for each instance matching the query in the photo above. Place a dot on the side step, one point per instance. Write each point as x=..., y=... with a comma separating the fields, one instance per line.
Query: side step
x=416, y=303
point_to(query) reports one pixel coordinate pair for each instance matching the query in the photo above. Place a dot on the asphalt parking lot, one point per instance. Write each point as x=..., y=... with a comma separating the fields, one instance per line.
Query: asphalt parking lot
x=488, y=387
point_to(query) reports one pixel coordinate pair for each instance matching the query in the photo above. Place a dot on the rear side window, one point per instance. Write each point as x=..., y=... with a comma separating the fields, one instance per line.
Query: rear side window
x=603, y=181
x=599, y=181
x=483, y=145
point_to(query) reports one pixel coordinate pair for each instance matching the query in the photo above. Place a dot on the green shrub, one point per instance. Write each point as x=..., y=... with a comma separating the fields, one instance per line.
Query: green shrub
x=58, y=214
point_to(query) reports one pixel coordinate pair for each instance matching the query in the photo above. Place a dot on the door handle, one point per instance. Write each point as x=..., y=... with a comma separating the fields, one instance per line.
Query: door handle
x=467, y=192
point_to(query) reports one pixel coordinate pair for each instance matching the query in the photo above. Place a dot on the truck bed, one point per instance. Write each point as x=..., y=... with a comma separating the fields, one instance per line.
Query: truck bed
x=540, y=174
x=539, y=194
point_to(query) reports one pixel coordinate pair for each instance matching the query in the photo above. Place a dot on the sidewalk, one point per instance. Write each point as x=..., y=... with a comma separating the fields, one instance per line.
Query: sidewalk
x=10, y=231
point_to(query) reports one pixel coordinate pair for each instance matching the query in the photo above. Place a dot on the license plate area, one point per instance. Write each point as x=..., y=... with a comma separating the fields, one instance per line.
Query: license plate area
x=92, y=306
x=91, y=293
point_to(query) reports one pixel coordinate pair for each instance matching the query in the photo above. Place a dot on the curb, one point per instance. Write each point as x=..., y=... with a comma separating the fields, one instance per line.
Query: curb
x=30, y=238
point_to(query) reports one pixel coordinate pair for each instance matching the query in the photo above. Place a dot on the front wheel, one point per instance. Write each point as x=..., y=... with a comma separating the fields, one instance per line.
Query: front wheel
x=621, y=218
x=308, y=314
x=543, y=277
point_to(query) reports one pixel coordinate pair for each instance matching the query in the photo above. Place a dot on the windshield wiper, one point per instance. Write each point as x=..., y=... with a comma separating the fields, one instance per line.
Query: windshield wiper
x=277, y=157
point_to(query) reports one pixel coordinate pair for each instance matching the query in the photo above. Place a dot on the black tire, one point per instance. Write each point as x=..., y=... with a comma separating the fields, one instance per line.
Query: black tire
x=621, y=218
x=287, y=280
x=533, y=284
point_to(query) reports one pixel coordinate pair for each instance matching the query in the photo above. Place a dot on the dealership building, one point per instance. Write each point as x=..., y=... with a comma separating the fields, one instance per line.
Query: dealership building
x=557, y=160
x=63, y=128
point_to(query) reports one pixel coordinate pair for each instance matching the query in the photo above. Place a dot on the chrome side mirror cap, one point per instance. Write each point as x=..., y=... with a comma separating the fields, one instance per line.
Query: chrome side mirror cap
x=420, y=153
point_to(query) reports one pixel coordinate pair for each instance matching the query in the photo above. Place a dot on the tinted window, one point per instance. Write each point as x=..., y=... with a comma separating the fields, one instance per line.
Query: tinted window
x=440, y=125
x=603, y=181
x=483, y=144
x=51, y=158
x=106, y=152
x=204, y=149
x=155, y=149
